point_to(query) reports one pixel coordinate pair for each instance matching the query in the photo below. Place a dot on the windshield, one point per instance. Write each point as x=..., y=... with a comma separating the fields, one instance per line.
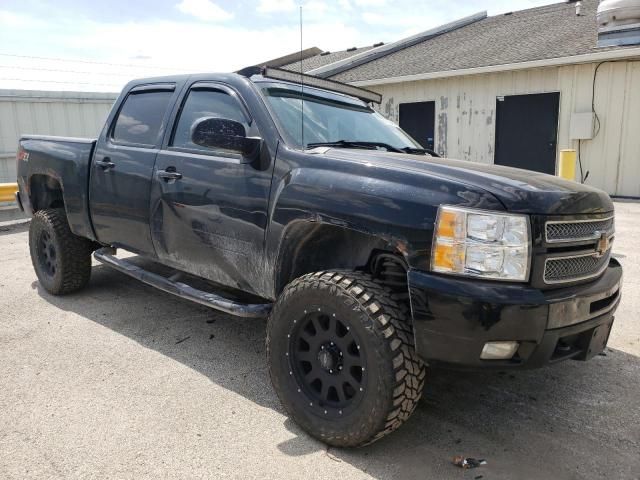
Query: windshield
x=329, y=118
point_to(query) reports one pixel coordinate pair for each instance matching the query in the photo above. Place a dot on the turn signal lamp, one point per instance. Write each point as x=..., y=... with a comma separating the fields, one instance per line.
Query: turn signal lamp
x=480, y=243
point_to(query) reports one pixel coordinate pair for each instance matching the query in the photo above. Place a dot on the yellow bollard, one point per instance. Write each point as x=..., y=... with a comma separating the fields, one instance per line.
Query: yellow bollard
x=567, y=166
x=8, y=192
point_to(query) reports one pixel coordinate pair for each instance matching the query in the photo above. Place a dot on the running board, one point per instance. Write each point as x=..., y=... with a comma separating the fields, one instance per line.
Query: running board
x=247, y=310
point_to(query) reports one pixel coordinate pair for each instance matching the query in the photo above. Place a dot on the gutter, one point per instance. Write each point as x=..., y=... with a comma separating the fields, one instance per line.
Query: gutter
x=621, y=54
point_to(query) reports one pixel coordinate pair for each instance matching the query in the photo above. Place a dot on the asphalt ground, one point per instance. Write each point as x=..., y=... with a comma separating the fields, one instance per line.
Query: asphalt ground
x=123, y=381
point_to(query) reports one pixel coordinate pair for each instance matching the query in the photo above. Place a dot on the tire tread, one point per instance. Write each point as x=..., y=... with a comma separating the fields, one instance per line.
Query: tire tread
x=75, y=251
x=388, y=317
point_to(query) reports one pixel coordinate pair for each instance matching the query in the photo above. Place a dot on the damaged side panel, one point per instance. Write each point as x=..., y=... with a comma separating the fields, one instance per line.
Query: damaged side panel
x=366, y=204
x=211, y=222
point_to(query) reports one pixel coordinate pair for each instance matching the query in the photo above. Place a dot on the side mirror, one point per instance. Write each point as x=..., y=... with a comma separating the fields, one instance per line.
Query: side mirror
x=225, y=134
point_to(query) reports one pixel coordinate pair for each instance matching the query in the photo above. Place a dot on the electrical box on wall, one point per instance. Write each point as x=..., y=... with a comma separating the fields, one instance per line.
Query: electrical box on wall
x=581, y=126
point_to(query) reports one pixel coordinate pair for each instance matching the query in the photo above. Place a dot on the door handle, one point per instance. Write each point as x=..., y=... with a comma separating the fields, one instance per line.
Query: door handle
x=168, y=175
x=105, y=163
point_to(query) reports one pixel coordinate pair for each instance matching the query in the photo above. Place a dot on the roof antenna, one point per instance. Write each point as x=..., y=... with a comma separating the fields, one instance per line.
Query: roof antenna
x=302, y=87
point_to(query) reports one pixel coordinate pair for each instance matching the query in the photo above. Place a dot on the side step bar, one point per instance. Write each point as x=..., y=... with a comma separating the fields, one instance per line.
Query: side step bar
x=247, y=310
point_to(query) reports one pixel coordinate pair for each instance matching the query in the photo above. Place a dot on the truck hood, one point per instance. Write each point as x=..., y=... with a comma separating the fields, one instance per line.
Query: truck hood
x=521, y=191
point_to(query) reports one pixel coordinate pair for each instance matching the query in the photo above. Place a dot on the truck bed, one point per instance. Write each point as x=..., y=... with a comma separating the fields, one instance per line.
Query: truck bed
x=44, y=160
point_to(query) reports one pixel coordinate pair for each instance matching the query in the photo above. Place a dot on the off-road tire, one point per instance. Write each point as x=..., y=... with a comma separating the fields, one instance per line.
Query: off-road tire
x=395, y=374
x=68, y=269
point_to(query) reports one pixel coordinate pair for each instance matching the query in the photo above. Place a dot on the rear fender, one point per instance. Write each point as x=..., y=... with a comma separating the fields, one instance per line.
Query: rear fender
x=56, y=175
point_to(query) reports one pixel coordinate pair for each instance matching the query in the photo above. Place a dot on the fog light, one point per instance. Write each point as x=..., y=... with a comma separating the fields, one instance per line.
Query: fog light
x=499, y=350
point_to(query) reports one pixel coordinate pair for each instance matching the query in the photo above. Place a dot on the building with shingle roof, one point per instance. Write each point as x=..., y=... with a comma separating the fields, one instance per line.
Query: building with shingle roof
x=542, y=33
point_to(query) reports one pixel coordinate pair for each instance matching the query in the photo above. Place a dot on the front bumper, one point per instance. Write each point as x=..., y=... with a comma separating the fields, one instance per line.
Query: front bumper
x=454, y=318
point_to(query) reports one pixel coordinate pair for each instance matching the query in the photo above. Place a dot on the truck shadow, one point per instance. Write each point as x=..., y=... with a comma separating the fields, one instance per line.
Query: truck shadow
x=572, y=420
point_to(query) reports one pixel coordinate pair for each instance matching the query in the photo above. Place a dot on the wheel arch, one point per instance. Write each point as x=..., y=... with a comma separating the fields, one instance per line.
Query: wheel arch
x=45, y=191
x=314, y=246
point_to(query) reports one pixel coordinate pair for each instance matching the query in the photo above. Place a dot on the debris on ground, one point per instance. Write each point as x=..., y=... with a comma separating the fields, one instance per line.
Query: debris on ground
x=212, y=336
x=328, y=453
x=468, y=462
x=185, y=338
x=211, y=320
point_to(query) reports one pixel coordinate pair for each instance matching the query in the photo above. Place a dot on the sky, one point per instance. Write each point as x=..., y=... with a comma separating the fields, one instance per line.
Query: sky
x=99, y=45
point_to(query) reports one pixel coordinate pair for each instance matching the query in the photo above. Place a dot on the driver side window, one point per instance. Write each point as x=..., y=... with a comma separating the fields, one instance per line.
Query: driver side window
x=205, y=103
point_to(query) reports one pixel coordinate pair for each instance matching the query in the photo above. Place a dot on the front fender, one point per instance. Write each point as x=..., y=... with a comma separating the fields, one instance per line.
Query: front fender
x=399, y=208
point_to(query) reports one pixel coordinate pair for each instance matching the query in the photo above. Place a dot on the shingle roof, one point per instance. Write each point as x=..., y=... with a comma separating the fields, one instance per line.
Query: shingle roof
x=539, y=33
x=324, y=59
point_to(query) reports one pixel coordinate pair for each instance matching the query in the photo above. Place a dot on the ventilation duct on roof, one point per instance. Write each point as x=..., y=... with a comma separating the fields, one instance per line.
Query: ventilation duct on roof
x=618, y=23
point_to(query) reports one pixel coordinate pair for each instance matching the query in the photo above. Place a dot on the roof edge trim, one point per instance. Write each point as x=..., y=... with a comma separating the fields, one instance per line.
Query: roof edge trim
x=291, y=57
x=548, y=62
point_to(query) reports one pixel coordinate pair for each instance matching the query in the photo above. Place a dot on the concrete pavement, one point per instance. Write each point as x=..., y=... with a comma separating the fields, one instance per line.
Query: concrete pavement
x=123, y=381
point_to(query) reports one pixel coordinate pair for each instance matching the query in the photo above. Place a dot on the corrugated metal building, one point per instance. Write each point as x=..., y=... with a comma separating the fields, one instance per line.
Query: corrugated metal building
x=513, y=89
x=79, y=114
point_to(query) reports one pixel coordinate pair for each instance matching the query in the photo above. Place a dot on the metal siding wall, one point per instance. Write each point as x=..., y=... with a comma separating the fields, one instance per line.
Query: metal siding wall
x=629, y=167
x=47, y=113
x=465, y=115
x=601, y=156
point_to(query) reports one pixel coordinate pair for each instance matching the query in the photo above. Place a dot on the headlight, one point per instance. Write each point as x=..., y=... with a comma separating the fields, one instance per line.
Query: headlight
x=480, y=243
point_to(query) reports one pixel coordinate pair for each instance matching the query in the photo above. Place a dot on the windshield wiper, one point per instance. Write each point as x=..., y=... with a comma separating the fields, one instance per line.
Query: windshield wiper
x=420, y=150
x=372, y=146
x=356, y=144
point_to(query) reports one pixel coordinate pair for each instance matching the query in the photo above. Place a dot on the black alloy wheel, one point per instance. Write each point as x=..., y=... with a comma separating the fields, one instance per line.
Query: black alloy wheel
x=62, y=260
x=47, y=255
x=328, y=362
x=341, y=357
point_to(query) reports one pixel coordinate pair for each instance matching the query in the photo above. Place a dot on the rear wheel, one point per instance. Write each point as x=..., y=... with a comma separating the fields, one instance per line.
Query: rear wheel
x=62, y=260
x=341, y=357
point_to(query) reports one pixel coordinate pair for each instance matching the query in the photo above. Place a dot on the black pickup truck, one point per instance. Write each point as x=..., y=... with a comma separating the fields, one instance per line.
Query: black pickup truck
x=268, y=194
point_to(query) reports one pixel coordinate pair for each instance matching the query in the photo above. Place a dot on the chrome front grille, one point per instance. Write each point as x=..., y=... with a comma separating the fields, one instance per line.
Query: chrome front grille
x=575, y=267
x=578, y=230
x=577, y=249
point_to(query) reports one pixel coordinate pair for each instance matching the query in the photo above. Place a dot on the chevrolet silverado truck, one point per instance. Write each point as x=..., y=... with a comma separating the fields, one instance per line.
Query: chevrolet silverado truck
x=268, y=194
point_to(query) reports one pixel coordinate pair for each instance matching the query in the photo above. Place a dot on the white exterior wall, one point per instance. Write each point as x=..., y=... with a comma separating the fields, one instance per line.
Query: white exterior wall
x=73, y=114
x=466, y=105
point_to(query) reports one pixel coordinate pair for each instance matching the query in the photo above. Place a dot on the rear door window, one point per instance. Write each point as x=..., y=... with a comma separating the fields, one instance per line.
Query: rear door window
x=140, y=117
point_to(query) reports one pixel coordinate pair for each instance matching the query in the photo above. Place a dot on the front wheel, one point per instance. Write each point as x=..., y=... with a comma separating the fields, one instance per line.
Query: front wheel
x=62, y=260
x=341, y=358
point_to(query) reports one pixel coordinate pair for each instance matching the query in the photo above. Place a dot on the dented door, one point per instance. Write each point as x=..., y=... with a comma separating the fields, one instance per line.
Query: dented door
x=209, y=209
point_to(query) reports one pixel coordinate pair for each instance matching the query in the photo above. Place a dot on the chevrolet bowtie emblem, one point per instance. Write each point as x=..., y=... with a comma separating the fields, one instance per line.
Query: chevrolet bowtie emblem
x=603, y=245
